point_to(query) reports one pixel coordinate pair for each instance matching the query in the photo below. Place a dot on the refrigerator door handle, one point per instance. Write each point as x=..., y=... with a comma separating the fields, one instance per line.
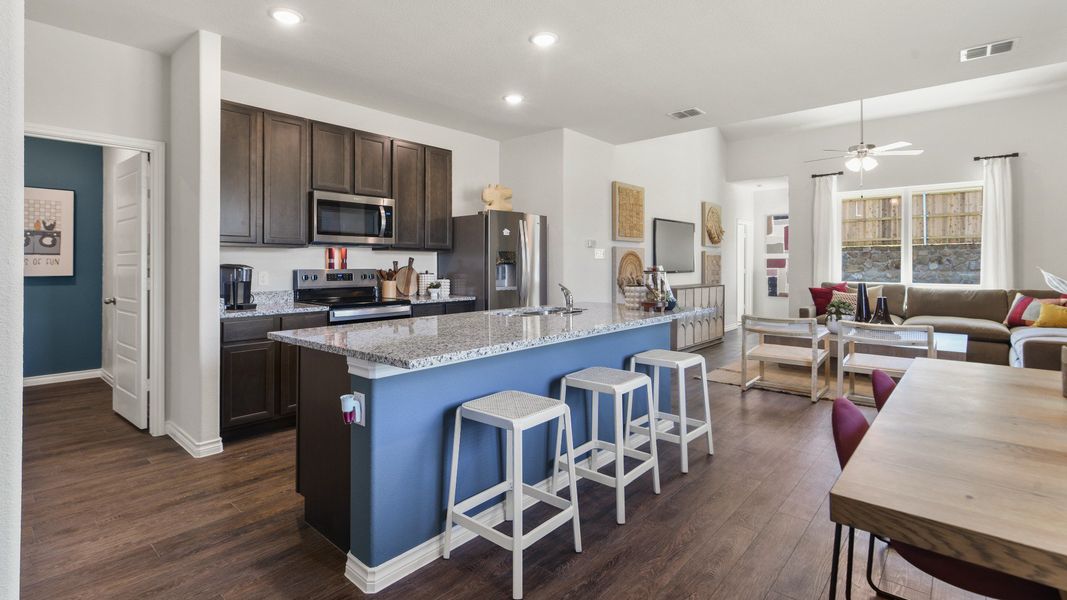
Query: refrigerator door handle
x=524, y=256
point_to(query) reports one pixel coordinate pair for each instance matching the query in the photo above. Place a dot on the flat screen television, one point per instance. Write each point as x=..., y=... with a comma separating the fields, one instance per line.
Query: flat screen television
x=672, y=245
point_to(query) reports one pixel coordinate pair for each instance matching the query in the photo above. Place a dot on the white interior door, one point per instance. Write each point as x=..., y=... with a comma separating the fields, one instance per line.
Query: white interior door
x=129, y=330
x=744, y=269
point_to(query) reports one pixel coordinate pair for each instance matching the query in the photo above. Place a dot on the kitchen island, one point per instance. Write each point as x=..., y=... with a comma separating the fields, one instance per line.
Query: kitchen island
x=378, y=489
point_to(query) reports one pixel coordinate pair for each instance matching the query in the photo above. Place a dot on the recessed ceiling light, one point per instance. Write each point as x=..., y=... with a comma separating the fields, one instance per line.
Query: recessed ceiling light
x=514, y=99
x=286, y=16
x=544, y=39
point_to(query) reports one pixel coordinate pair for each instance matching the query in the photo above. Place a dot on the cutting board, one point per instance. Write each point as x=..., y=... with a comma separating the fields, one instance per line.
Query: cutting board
x=407, y=281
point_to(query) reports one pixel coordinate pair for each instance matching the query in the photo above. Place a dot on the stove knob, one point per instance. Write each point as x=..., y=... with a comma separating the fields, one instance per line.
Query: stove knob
x=305, y=277
x=314, y=277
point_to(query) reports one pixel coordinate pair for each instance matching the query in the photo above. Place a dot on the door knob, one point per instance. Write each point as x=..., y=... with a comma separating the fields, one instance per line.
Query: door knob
x=109, y=300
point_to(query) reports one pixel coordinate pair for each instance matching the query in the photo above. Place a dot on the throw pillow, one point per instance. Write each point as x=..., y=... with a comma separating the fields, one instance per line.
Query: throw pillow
x=873, y=293
x=1052, y=315
x=849, y=297
x=1025, y=310
x=822, y=296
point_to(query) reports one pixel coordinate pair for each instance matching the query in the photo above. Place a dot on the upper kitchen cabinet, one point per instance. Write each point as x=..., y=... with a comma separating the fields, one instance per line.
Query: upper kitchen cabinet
x=408, y=193
x=331, y=158
x=438, y=210
x=373, y=175
x=285, y=177
x=241, y=174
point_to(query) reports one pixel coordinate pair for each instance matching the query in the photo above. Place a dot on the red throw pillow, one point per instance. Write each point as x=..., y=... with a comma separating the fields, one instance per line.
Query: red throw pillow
x=1024, y=309
x=822, y=296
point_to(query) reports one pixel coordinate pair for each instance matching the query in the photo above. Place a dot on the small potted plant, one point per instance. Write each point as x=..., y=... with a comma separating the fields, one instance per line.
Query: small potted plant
x=838, y=311
x=434, y=288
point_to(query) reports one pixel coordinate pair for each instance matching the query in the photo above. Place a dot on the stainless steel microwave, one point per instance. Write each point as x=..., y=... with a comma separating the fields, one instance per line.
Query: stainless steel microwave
x=346, y=219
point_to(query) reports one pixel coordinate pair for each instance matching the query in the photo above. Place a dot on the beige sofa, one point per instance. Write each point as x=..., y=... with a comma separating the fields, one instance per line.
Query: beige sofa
x=980, y=315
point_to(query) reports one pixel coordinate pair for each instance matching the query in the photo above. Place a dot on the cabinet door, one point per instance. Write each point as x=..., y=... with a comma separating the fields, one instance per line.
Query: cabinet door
x=458, y=307
x=331, y=158
x=408, y=193
x=285, y=180
x=288, y=379
x=373, y=170
x=248, y=380
x=427, y=310
x=241, y=174
x=438, y=199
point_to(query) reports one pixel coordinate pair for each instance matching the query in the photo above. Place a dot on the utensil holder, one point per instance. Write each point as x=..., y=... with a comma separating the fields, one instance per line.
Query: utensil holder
x=388, y=290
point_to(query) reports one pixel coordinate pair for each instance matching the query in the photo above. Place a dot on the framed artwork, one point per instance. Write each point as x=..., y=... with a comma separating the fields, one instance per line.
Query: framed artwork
x=711, y=224
x=48, y=241
x=711, y=268
x=777, y=240
x=627, y=212
x=629, y=269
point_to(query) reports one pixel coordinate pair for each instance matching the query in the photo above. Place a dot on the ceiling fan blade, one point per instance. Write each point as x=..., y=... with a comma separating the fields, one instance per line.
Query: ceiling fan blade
x=827, y=158
x=898, y=153
x=892, y=146
x=838, y=151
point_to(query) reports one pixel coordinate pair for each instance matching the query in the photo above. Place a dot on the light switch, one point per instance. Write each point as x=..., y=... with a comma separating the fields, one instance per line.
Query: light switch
x=590, y=243
x=264, y=278
x=598, y=253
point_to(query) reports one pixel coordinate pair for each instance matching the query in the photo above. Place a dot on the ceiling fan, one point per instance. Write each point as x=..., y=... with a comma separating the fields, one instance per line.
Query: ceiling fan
x=861, y=157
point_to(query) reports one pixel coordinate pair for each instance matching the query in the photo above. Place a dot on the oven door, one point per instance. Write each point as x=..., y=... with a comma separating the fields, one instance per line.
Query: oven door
x=346, y=219
x=369, y=313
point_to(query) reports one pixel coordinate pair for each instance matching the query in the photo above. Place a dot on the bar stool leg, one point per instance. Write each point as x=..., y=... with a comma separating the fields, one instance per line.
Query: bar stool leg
x=707, y=405
x=595, y=429
x=620, y=464
x=516, y=512
x=652, y=416
x=630, y=406
x=683, y=424
x=573, y=482
x=452, y=485
x=509, y=449
x=555, y=463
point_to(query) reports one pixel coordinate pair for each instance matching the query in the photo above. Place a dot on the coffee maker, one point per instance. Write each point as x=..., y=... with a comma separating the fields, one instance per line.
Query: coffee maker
x=235, y=286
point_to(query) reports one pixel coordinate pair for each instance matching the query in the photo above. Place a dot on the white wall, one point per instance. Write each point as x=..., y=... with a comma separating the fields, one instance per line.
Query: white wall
x=587, y=172
x=192, y=318
x=1032, y=125
x=112, y=157
x=81, y=82
x=475, y=164
x=764, y=204
x=11, y=165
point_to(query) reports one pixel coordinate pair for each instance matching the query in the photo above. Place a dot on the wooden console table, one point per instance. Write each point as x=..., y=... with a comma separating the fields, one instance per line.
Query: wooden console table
x=689, y=333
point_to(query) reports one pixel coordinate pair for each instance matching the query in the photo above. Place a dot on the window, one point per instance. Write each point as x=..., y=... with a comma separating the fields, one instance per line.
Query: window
x=927, y=235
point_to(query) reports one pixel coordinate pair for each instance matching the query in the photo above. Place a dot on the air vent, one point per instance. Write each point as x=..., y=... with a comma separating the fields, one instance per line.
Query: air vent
x=986, y=50
x=685, y=114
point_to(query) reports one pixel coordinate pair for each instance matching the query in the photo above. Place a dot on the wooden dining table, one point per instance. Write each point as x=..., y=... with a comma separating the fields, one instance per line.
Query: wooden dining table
x=968, y=460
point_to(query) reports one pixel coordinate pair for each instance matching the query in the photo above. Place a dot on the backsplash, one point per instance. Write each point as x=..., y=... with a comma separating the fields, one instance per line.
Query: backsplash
x=279, y=263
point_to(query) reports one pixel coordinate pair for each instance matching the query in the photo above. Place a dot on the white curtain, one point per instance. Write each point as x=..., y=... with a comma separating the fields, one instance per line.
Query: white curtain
x=826, y=231
x=997, y=246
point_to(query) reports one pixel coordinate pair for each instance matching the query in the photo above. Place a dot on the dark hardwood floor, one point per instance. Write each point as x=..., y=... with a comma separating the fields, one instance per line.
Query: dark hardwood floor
x=110, y=512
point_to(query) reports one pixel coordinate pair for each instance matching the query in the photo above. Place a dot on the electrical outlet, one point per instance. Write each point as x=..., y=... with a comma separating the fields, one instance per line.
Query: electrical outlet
x=598, y=253
x=361, y=409
x=264, y=278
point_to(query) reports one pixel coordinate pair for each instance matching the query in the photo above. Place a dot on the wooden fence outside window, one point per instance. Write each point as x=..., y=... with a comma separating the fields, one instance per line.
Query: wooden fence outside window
x=938, y=217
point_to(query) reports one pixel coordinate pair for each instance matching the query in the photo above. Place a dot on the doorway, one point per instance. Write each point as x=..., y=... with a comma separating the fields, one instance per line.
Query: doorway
x=116, y=272
x=744, y=268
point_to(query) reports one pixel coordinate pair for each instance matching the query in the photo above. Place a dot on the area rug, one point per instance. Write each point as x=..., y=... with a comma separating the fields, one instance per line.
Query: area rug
x=788, y=375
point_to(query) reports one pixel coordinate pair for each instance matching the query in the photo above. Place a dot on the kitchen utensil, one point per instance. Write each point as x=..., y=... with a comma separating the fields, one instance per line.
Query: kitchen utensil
x=407, y=281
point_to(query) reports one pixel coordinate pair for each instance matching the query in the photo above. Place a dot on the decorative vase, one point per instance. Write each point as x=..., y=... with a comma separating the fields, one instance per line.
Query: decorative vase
x=881, y=312
x=832, y=324
x=863, y=304
x=435, y=293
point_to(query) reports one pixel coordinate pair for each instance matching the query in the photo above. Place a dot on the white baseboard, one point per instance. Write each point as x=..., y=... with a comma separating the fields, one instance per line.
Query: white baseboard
x=370, y=580
x=107, y=377
x=62, y=377
x=194, y=448
x=732, y=327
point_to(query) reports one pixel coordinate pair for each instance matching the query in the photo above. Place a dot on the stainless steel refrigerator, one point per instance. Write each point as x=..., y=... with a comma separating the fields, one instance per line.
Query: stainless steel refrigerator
x=500, y=257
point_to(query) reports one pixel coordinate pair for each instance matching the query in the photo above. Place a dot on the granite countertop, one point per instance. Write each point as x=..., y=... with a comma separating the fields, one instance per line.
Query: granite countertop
x=425, y=342
x=428, y=300
x=269, y=304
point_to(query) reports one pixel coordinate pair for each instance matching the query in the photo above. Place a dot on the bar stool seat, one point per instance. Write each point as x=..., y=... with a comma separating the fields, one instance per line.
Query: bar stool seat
x=617, y=382
x=514, y=412
x=688, y=428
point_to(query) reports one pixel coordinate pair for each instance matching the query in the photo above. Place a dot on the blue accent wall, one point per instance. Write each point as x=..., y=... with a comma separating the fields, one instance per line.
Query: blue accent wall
x=62, y=314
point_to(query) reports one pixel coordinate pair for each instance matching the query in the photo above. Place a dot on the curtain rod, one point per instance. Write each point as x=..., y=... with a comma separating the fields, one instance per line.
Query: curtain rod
x=1012, y=155
x=817, y=175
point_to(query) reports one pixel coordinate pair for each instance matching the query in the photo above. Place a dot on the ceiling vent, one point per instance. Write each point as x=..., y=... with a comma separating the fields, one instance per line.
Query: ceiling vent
x=986, y=50
x=685, y=114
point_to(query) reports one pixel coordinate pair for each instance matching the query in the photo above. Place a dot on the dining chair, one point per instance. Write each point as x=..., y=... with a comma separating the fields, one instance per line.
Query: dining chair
x=883, y=386
x=849, y=427
x=901, y=339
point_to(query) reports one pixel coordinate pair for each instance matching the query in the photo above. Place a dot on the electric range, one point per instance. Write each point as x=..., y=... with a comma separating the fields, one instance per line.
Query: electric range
x=351, y=295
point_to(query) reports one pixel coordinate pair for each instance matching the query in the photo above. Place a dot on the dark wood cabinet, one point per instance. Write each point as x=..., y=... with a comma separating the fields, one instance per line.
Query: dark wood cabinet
x=248, y=383
x=459, y=307
x=260, y=378
x=332, y=160
x=441, y=308
x=438, y=190
x=373, y=169
x=240, y=174
x=285, y=189
x=408, y=163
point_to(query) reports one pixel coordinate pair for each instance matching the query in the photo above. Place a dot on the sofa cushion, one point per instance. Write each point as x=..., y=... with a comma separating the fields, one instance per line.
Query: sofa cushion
x=991, y=305
x=982, y=330
x=1045, y=293
x=1037, y=348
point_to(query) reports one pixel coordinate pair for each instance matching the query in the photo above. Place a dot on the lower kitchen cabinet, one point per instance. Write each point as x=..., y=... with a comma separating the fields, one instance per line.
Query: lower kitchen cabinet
x=441, y=308
x=260, y=378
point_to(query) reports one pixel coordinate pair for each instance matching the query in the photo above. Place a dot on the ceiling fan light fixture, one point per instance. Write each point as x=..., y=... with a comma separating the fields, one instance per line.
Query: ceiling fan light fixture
x=868, y=163
x=853, y=164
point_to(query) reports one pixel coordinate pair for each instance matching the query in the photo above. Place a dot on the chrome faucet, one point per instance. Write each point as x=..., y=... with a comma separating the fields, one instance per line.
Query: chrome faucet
x=567, y=297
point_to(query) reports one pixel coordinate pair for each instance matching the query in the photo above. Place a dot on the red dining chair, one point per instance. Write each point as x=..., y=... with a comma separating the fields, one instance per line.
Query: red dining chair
x=849, y=427
x=883, y=385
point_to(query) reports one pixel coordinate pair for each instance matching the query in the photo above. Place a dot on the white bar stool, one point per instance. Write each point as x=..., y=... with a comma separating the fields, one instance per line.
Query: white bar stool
x=678, y=361
x=514, y=412
x=615, y=382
